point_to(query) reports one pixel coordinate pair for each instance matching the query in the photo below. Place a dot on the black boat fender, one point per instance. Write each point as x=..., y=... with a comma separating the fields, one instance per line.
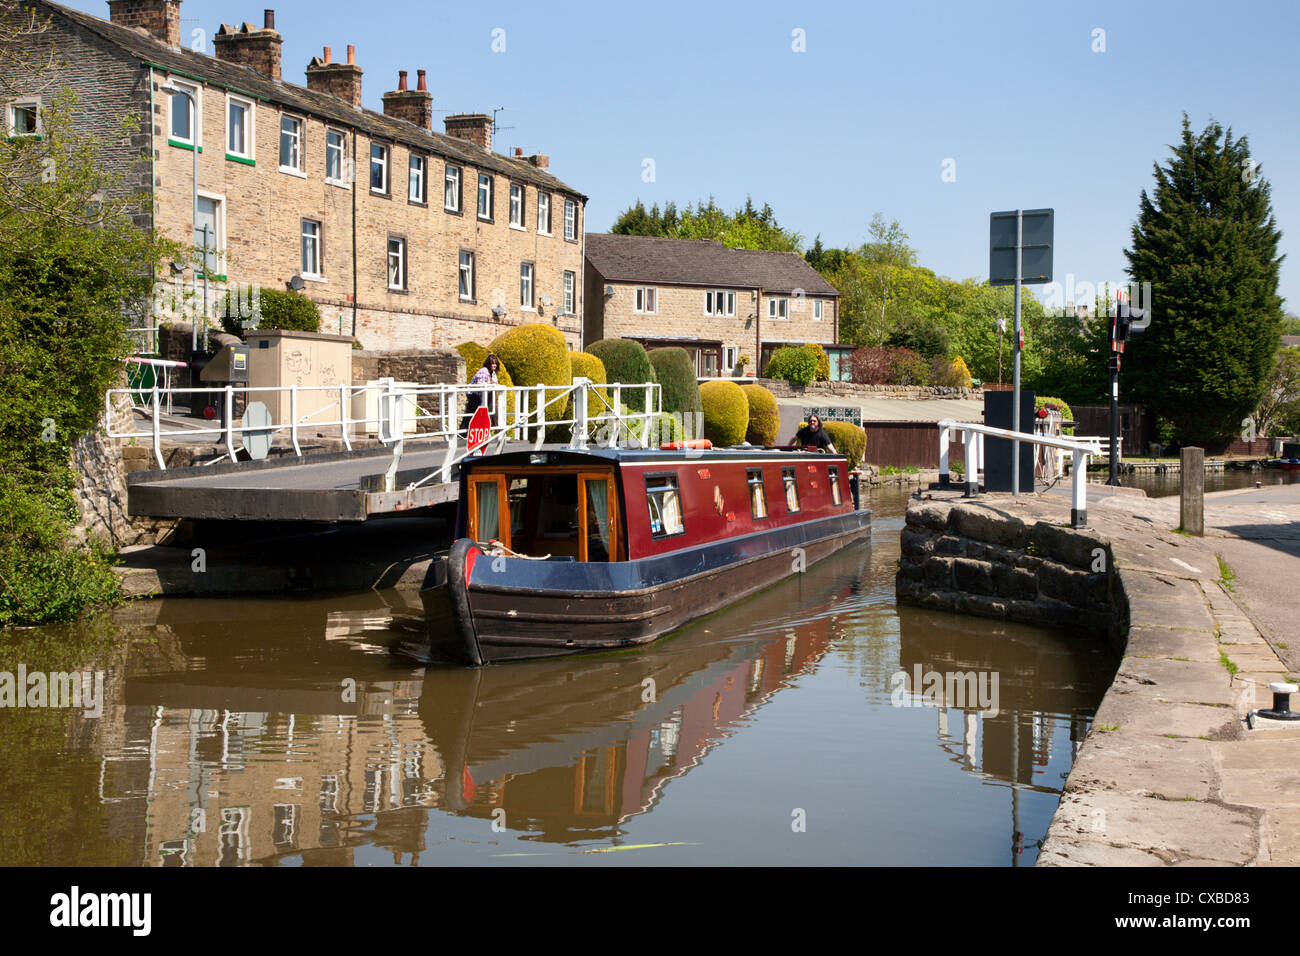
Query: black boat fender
x=460, y=562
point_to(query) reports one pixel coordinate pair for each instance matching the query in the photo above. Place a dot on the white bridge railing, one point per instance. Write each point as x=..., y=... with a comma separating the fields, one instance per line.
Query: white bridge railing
x=402, y=414
x=973, y=436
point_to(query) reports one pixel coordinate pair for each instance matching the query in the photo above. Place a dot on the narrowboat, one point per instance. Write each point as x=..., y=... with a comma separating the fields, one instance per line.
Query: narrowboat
x=564, y=551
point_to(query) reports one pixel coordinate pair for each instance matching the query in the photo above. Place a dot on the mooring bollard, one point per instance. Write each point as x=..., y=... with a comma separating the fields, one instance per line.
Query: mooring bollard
x=1281, y=702
x=1191, y=510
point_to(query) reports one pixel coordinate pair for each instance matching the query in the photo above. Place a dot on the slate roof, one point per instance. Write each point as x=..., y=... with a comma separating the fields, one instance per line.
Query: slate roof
x=242, y=79
x=701, y=262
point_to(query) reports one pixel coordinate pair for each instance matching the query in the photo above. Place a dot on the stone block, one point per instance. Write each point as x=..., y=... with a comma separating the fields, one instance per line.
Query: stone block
x=973, y=576
x=985, y=524
x=1014, y=582
x=938, y=572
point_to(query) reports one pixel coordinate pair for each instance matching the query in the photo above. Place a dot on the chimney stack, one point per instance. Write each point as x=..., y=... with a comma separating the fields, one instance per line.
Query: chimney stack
x=475, y=128
x=414, y=106
x=161, y=19
x=338, y=79
x=250, y=46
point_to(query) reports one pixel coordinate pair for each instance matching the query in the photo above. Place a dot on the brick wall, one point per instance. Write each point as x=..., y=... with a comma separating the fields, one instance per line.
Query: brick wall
x=425, y=366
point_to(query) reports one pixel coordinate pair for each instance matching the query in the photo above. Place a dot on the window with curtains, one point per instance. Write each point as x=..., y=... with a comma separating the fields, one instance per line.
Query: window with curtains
x=598, y=517
x=837, y=496
x=791, y=489
x=757, y=493
x=665, y=506
x=487, y=505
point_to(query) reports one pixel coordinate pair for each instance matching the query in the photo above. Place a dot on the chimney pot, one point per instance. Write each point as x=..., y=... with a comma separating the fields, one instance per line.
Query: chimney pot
x=401, y=79
x=352, y=55
x=268, y=20
x=420, y=82
x=327, y=54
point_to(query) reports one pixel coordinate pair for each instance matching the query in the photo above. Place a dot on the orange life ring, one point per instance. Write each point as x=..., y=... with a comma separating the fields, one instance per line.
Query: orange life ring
x=694, y=443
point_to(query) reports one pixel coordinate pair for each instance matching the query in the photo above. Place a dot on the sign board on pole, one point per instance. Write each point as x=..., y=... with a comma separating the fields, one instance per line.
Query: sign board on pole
x=480, y=426
x=1036, y=247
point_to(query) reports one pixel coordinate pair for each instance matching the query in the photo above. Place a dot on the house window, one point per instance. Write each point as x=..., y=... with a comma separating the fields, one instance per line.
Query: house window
x=719, y=302
x=729, y=356
x=451, y=189
x=791, y=489
x=378, y=168
x=526, y=285
x=647, y=300
x=239, y=127
x=836, y=495
x=311, y=258
x=417, y=183
x=757, y=493
x=184, y=122
x=778, y=308
x=209, y=233
x=665, y=506
x=817, y=309
x=335, y=153
x=517, y=205
x=570, y=219
x=24, y=119
x=290, y=144
x=544, y=213
x=570, y=282
x=484, y=196
x=397, y=264
x=466, y=275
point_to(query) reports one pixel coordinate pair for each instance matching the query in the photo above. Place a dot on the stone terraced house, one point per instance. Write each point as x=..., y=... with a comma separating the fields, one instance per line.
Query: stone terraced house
x=717, y=303
x=405, y=237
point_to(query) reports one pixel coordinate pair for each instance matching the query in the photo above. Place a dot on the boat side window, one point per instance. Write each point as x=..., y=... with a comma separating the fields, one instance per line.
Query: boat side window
x=757, y=493
x=791, y=489
x=836, y=497
x=518, y=497
x=487, y=502
x=665, y=506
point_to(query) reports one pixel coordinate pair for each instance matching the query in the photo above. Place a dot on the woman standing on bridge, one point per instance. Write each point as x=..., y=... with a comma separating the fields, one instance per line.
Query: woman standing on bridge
x=487, y=375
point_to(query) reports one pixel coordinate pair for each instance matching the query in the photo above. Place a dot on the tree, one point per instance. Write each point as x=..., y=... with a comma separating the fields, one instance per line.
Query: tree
x=1280, y=407
x=1206, y=240
x=746, y=228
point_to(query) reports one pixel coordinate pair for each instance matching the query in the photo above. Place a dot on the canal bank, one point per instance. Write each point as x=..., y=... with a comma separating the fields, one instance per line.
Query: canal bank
x=1169, y=774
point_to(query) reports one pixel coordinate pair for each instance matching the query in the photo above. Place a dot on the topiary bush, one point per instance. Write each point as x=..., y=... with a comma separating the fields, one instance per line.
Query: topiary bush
x=276, y=309
x=794, y=364
x=849, y=440
x=726, y=412
x=675, y=373
x=823, y=361
x=537, y=354
x=764, y=416
x=627, y=363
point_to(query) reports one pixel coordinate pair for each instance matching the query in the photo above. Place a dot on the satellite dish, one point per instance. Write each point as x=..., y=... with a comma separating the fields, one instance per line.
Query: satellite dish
x=546, y=300
x=257, y=430
x=297, y=284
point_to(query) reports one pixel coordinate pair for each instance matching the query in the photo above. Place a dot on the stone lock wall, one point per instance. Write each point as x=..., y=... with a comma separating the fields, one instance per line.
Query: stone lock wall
x=978, y=560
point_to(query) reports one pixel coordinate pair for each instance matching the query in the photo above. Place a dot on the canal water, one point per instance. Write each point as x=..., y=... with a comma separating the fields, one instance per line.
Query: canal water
x=1164, y=485
x=817, y=723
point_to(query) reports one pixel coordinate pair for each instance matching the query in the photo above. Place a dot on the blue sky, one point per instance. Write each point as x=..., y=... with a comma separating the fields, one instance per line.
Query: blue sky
x=860, y=122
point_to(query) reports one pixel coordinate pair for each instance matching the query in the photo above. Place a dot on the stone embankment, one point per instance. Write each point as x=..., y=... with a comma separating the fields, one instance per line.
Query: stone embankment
x=1169, y=773
x=817, y=392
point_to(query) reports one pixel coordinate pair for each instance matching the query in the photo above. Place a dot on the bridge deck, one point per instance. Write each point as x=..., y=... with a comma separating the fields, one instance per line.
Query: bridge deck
x=341, y=486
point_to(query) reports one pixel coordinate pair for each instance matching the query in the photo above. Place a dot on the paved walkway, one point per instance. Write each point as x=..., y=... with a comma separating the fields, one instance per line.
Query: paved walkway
x=1170, y=774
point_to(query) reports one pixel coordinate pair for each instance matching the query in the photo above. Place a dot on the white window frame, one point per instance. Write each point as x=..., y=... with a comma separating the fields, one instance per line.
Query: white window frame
x=387, y=166
x=570, y=219
x=518, y=194
x=528, y=280
x=727, y=298
x=486, y=187
x=778, y=307
x=302, y=139
x=219, y=218
x=11, y=127
x=250, y=126
x=421, y=193
x=543, y=213
x=817, y=310
x=729, y=357
x=465, y=267
x=388, y=263
x=318, y=238
x=342, y=179
x=645, y=300
x=196, y=121
x=460, y=186
x=570, y=293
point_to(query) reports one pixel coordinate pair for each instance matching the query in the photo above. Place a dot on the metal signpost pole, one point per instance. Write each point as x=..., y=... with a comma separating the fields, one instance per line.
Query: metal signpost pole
x=1113, y=479
x=1015, y=367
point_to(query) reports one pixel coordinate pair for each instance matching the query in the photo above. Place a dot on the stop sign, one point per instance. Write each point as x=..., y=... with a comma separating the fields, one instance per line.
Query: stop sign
x=479, y=427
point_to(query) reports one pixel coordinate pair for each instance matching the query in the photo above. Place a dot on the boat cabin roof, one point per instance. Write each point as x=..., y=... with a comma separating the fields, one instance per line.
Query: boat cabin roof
x=566, y=455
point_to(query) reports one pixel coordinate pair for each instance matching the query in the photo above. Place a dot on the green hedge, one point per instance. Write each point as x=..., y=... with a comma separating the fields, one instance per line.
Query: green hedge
x=823, y=361
x=537, y=354
x=675, y=373
x=794, y=364
x=1042, y=401
x=279, y=308
x=849, y=440
x=625, y=363
x=726, y=412
x=764, y=427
